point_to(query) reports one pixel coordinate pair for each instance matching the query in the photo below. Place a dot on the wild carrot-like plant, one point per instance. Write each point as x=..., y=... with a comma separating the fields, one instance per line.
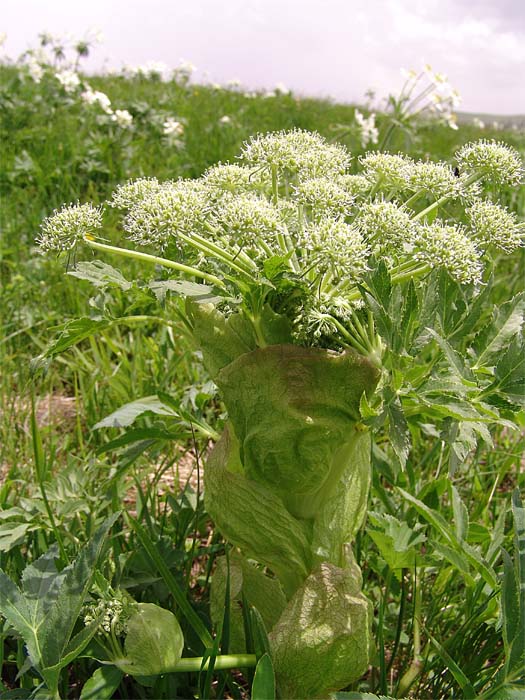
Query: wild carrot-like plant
x=329, y=307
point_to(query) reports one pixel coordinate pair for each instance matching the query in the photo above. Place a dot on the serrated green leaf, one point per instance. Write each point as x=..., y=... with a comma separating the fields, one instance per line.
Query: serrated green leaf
x=455, y=361
x=16, y=611
x=199, y=293
x=471, y=554
x=461, y=521
x=73, y=332
x=13, y=534
x=41, y=582
x=506, y=323
x=510, y=372
x=127, y=414
x=398, y=544
x=100, y=274
x=397, y=427
x=55, y=635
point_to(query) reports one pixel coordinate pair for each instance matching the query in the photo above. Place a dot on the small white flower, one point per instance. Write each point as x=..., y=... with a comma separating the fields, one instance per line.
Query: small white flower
x=478, y=123
x=122, y=118
x=95, y=97
x=68, y=79
x=34, y=70
x=225, y=119
x=367, y=127
x=172, y=127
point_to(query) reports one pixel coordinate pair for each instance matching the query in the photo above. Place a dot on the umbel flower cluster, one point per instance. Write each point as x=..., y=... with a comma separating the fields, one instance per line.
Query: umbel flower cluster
x=296, y=208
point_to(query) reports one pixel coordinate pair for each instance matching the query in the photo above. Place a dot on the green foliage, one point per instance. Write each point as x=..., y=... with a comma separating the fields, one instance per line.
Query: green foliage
x=447, y=395
x=45, y=610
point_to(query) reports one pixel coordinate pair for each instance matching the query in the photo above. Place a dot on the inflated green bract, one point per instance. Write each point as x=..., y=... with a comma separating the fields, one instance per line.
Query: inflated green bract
x=154, y=641
x=288, y=484
x=321, y=642
x=293, y=409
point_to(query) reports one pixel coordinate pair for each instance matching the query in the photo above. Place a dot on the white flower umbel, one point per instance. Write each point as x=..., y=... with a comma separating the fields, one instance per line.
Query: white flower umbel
x=134, y=191
x=234, y=178
x=387, y=228
x=95, y=97
x=122, y=118
x=387, y=169
x=68, y=79
x=177, y=208
x=435, y=179
x=321, y=196
x=65, y=228
x=493, y=160
x=448, y=247
x=249, y=222
x=494, y=225
x=336, y=247
x=356, y=185
x=296, y=153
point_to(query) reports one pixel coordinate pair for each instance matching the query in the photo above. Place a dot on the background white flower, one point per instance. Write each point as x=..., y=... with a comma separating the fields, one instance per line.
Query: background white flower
x=123, y=118
x=68, y=79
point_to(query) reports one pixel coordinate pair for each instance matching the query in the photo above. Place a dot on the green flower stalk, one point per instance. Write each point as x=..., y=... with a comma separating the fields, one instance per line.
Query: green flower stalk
x=289, y=240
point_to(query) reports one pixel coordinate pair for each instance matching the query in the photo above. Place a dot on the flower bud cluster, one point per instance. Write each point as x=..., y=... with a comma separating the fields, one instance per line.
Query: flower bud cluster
x=498, y=162
x=292, y=198
x=246, y=218
x=296, y=153
x=68, y=226
x=494, y=225
x=112, y=615
x=387, y=227
x=336, y=246
x=446, y=246
x=324, y=197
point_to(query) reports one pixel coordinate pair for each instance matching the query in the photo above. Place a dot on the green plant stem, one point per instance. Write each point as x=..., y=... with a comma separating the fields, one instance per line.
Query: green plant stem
x=425, y=212
x=238, y=261
x=222, y=663
x=413, y=671
x=155, y=260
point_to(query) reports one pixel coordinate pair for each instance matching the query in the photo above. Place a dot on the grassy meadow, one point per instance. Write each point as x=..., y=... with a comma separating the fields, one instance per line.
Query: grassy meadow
x=439, y=616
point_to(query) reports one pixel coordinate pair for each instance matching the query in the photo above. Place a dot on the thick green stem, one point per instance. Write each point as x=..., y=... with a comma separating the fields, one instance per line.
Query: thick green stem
x=222, y=663
x=146, y=257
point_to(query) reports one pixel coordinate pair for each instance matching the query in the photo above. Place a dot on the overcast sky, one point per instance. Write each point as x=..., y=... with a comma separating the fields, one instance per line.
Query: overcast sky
x=337, y=48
